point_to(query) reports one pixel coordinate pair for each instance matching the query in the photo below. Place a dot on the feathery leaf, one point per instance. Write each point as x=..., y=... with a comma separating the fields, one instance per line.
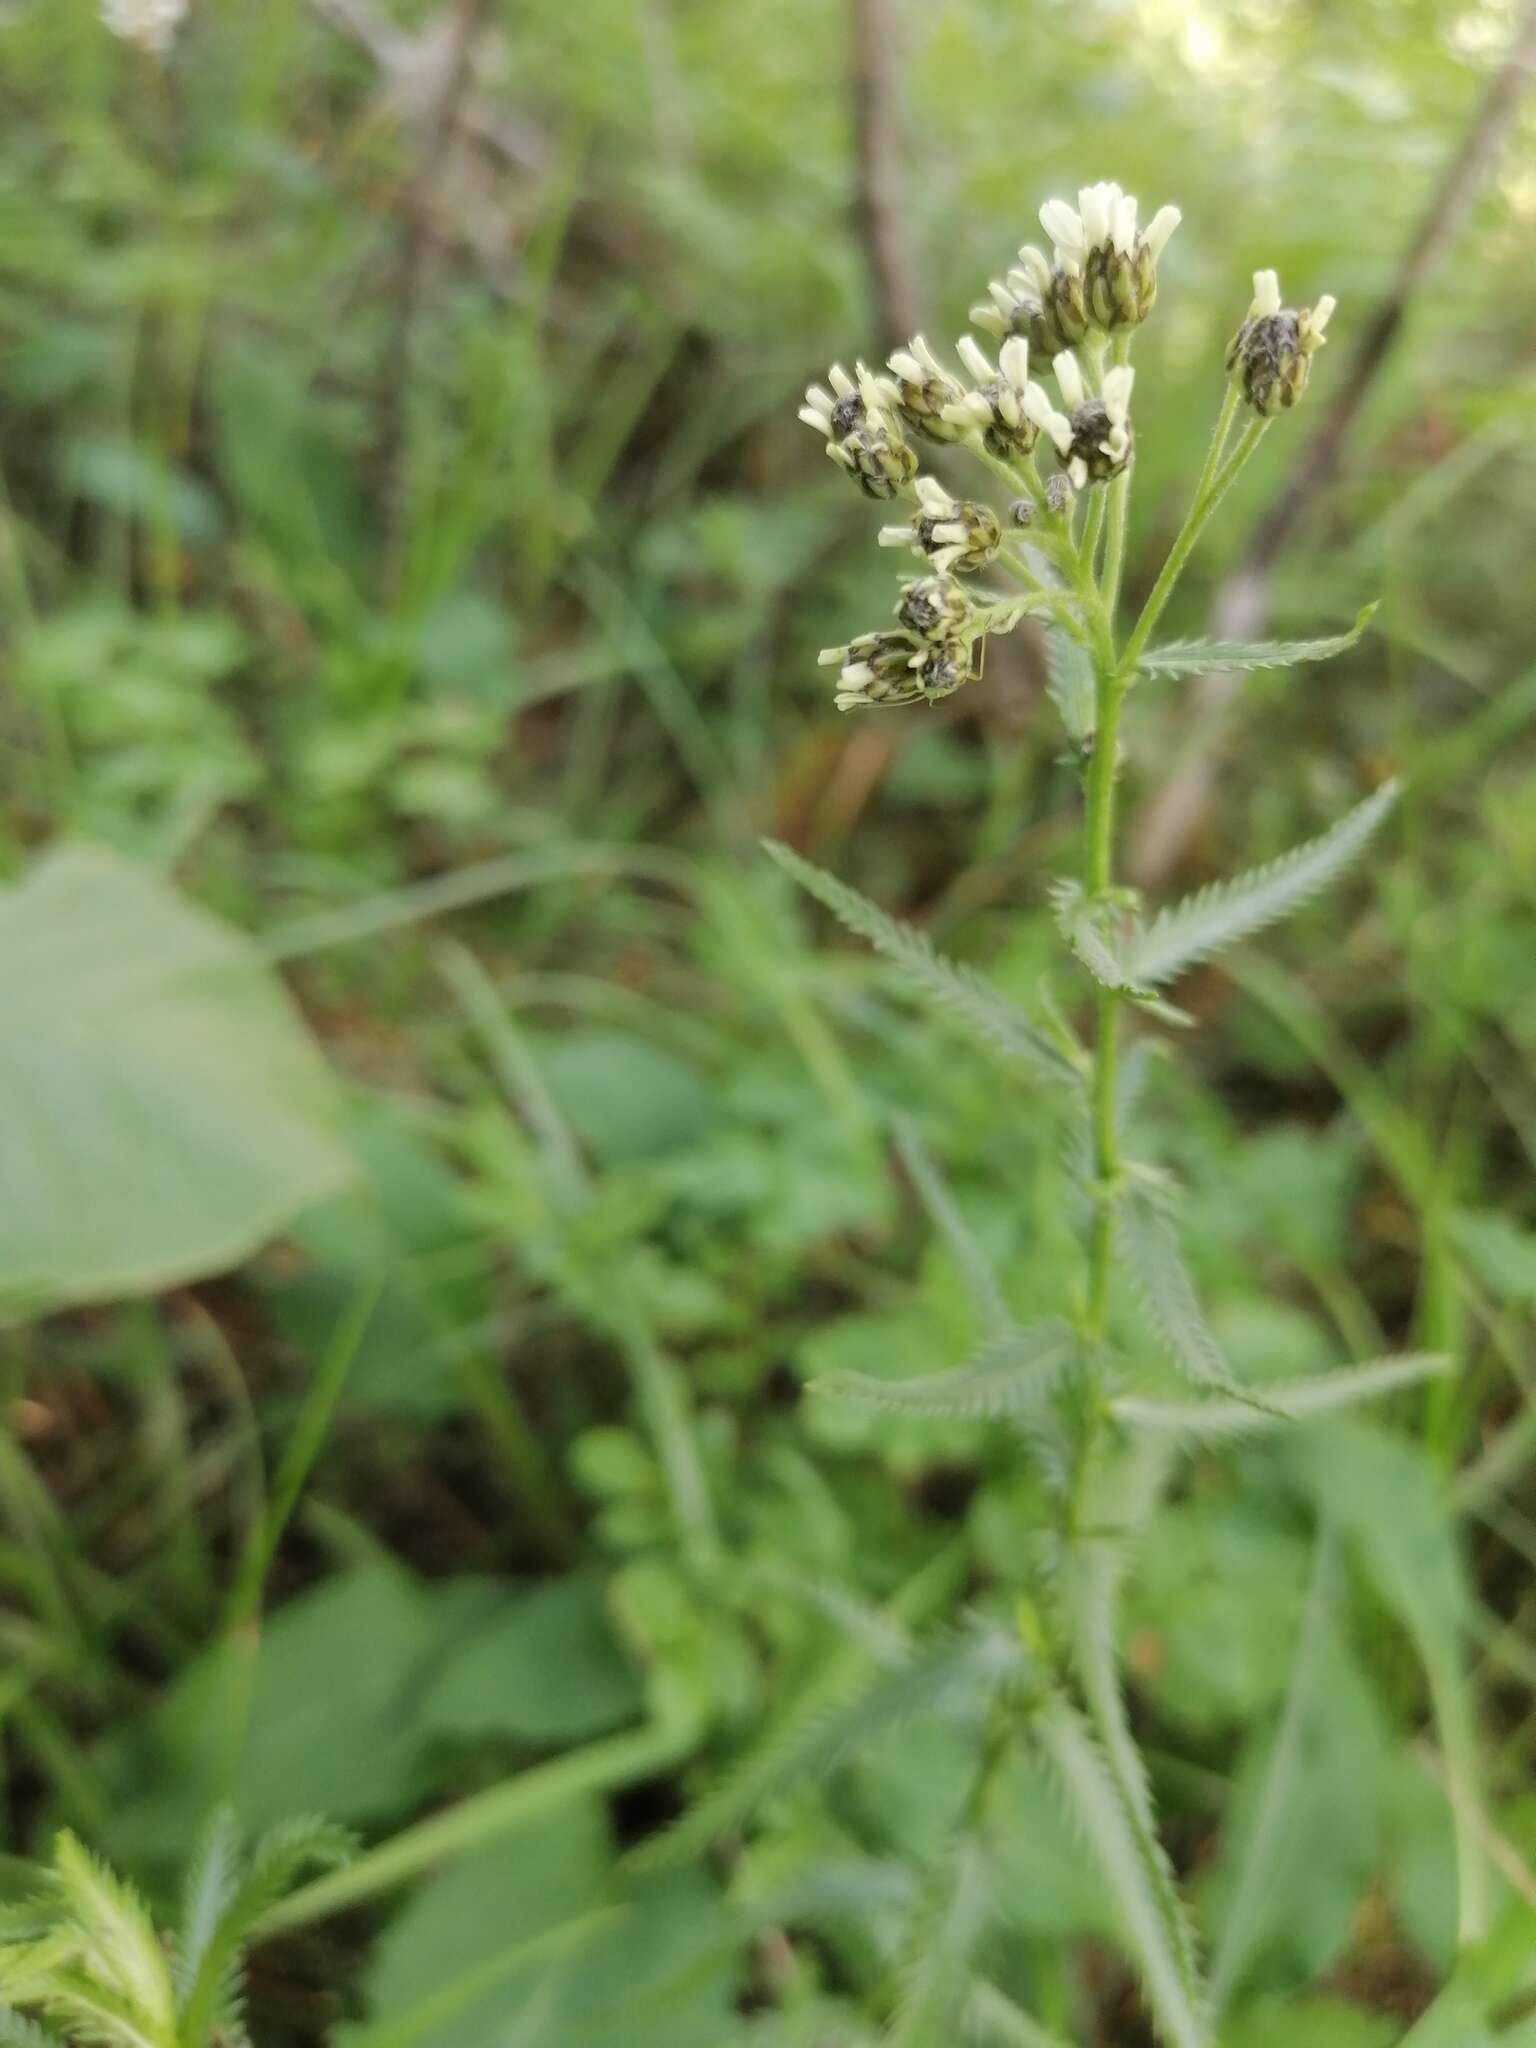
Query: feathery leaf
x=213, y=1877
x=1096, y=1806
x=1196, y=657
x=815, y=1735
x=1008, y=1377
x=1229, y=911
x=117, y=1935
x=1163, y=1281
x=17, y=2031
x=999, y=1024
x=1285, y=1401
x=952, y=1916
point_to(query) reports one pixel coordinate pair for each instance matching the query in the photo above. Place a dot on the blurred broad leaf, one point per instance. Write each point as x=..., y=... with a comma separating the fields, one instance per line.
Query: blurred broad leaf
x=530, y=1940
x=165, y=1111
x=544, y=1668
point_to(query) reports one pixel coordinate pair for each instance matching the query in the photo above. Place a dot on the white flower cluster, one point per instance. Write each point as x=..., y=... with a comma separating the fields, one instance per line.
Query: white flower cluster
x=1074, y=309
x=152, y=24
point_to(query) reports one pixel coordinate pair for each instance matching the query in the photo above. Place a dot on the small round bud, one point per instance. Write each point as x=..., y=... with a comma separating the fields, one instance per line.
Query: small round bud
x=957, y=535
x=945, y=668
x=1271, y=353
x=877, y=668
x=879, y=460
x=933, y=607
x=1022, y=512
x=1060, y=497
x=921, y=390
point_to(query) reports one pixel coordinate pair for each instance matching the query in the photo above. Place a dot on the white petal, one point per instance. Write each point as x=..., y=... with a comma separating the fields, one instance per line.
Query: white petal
x=990, y=320
x=1093, y=204
x=1322, y=313
x=1070, y=378
x=1077, y=469
x=1159, y=228
x=1002, y=298
x=856, y=675
x=949, y=534
x=1045, y=416
x=1266, y=295
x=927, y=358
x=1013, y=361
x=1062, y=225
x=821, y=421
x=932, y=495
x=830, y=657
x=1123, y=227
x=1117, y=392
x=970, y=354
x=1035, y=267
x=840, y=380
x=894, y=537
x=906, y=365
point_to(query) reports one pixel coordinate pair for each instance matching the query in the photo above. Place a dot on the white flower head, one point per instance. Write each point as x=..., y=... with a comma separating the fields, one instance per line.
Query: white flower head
x=1271, y=353
x=1105, y=272
x=995, y=409
x=954, y=535
x=152, y=24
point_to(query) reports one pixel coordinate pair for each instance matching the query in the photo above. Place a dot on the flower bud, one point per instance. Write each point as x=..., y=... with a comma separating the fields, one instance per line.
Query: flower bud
x=1093, y=437
x=922, y=389
x=946, y=666
x=857, y=418
x=1105, y=273
x=876, y=456
x=995, y=409
x=934, y=607
x=1060, y=498
x=876, y=668
x=1271, y=353
x=957, y=535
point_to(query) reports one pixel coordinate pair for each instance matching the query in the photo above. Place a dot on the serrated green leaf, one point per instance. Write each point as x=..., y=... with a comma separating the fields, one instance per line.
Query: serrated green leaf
x=947, y=1929
x=119, y=1937
x=1229, y=911
x=1069, y=680
x=1286, y=1401
x=999, y=1024
x=1094, y=1802
x=1196, y=657
x=1147, y=1236
x=1007, y=1377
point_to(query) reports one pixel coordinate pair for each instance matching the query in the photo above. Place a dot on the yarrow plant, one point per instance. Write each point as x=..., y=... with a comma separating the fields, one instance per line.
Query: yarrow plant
x=1073, y=1389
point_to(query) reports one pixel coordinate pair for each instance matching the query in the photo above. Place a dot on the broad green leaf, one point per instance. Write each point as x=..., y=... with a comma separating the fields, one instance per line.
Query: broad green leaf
x=165, y=1112
x=1228, y=911
x=1009, y=1376
x=1287, y=1401
x=999, y=1024
x=624, y=1097
x=1196, y=657
x=543, y=1666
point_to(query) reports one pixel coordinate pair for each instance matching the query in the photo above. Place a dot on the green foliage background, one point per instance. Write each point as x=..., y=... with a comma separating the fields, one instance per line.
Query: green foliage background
x=422, y=572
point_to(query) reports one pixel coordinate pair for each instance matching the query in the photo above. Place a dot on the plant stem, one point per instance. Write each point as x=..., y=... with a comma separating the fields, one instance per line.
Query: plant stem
x=1216, y=480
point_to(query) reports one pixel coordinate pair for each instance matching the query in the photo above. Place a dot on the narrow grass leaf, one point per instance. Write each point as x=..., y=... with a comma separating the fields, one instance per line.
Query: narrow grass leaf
x=999, y=1024
x=1228, y=911
x=1196, y=657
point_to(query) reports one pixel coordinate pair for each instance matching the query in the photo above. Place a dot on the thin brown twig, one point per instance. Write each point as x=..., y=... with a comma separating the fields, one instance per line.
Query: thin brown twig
x=1241, y=604
x=874, y=90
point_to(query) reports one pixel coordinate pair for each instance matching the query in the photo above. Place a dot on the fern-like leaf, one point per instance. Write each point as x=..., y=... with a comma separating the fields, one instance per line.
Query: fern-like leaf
x=1287, y=1401
x=815, y=1735
x=94, y=2010
x=17, y=2031
x=1228, y=911
x=1147, y=1236
x=999, y=1024
x=1092, y=1800
x=947, y=1929
x=1196, y=657
x=1009, y=1377
x=117, y=1935
x=213, y=1877
x=214, y=1995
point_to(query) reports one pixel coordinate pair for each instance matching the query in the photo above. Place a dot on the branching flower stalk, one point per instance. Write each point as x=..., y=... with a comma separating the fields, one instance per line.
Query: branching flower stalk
x=1067, y=468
